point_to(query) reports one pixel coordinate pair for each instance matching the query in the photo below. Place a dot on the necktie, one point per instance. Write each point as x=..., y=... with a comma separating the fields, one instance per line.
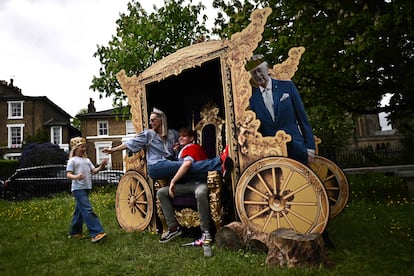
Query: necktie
x=268, y=100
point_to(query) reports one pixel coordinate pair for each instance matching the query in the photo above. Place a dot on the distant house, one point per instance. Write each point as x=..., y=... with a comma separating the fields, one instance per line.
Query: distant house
x=370, y=135
x=23, y=116
x=105, y=129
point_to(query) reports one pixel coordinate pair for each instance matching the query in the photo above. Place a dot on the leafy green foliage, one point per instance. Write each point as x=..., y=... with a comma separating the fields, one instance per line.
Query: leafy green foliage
x=356, y=52
x=75, y=121
x=41, y=136
x=142, y=39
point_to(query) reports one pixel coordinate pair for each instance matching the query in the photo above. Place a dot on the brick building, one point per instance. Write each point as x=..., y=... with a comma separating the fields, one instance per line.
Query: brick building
x=105, y=129
x=370, y=135
x=23, y=116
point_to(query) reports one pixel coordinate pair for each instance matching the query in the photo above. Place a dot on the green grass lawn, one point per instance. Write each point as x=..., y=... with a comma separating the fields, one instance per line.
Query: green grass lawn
x=373, y=236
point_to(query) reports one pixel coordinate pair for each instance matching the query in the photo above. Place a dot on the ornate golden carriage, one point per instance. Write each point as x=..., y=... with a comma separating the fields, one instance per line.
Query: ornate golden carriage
x=204, y=85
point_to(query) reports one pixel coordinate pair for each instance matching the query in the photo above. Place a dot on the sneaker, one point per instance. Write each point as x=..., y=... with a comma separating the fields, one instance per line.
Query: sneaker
x=98, y=237
x=77, y=236
x=170, y=234
x=226, y=163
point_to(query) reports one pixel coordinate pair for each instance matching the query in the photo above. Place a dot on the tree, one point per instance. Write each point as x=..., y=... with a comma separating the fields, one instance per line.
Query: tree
x=75, y=121
x=142, y=39
x=41, y=136
x=356, y=52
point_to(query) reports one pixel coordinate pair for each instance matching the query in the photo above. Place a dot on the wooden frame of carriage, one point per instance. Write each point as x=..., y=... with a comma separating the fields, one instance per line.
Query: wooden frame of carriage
x=269, y=190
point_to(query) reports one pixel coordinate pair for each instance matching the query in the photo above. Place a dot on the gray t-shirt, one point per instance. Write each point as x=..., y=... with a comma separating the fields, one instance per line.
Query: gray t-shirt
x=80, y=165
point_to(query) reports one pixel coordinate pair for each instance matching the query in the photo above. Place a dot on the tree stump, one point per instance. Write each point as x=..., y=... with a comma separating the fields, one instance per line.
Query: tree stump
x=284, y=247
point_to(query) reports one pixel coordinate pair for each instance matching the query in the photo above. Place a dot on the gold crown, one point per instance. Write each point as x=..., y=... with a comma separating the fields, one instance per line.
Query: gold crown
x=77, y=141
x=255, y=61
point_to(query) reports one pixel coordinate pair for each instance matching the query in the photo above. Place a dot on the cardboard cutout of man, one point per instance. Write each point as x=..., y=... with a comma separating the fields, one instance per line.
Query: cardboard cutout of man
x=278, y=106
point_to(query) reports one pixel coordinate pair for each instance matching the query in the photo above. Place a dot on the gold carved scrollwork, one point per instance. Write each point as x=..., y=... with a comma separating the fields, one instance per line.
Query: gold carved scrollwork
x=187, y=217
x=209, y=116
x=242, y=45
x=286, y=70
x=216, y=207
x=161, y=216
x=136, y=162
x=133, y=89
x=252, y=145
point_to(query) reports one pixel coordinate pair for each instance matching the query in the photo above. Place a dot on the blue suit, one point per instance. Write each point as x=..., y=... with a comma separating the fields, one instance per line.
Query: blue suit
x=289, y=116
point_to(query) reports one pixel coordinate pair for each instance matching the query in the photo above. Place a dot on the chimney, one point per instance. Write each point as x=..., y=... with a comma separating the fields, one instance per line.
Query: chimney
x=11, y=83
x=91, y=106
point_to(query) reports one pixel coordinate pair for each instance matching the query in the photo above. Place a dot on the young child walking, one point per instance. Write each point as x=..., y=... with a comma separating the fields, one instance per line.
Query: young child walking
x=79, y=170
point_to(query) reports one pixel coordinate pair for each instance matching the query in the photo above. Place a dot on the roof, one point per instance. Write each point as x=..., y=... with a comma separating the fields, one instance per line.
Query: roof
x=104, y=113
x=184, y=58
x=54, y=122
x=35, y=98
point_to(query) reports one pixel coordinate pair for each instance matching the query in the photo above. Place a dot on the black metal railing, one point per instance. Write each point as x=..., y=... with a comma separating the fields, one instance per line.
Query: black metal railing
x=367, y=157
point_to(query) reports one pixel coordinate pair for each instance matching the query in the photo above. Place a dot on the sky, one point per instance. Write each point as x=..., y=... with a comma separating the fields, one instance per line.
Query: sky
x=47, y=46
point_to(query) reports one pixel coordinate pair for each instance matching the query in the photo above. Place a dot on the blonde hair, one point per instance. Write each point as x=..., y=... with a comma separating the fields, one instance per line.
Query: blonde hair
x=75, y=143
x=164, y=126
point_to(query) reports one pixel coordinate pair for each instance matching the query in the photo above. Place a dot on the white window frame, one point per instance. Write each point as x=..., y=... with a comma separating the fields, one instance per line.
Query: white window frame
x=100, y=156
x=10, y=110
x=12, y=156
x=98, y=128
x=9, y=135
x=129, y=128
x=56, y=130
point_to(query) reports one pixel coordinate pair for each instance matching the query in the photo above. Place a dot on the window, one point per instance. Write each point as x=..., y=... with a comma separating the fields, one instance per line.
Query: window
x=56, y=135
x=102, y=128
x=129, y=127
x=15, y=135
x=15, y=110
x=100, y=156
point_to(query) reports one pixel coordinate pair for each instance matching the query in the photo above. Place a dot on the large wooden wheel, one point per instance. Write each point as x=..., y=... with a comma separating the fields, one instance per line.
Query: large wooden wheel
x=335, y=183
x=278, y=192
x=134, y=202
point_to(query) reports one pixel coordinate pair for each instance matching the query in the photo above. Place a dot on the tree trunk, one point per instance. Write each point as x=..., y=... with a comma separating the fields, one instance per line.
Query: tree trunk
x=284, y=247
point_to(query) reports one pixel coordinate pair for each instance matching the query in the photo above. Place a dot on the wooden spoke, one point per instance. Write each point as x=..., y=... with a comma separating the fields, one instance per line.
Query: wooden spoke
x=335, y=183
x=278, y=192
x=256, y=191
x=264, y=183
x=259, y=213
x=304, y=219
x=134, y=202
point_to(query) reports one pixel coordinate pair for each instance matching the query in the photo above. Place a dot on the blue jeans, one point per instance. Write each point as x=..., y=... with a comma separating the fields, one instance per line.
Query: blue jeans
x=84, y=213
x=198, y=170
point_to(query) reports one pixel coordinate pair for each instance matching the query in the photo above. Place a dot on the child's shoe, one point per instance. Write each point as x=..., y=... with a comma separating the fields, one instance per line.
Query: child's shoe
x=98, y=237
x=171, y=233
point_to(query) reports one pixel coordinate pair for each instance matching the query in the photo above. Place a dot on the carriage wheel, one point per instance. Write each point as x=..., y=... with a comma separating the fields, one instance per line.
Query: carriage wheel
x=278, y=192
x=134, y=202
x=335, y=182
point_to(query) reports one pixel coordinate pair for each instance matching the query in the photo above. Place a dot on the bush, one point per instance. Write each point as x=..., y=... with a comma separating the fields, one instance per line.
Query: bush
x=42, y=154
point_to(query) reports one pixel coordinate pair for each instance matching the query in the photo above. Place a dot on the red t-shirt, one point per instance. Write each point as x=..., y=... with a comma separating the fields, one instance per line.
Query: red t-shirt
x=195, y=151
